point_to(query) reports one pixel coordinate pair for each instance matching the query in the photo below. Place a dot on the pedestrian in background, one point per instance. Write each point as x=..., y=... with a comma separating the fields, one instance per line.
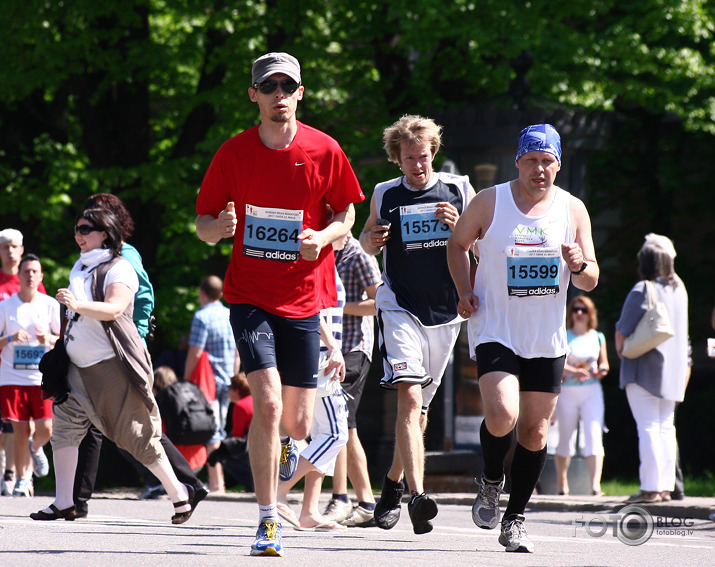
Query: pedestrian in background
x=655, y=381
x=360, y=274
x=211, y=333
x=581, y=396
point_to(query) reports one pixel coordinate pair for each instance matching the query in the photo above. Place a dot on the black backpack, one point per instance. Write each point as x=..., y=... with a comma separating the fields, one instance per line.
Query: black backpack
x=188, y=417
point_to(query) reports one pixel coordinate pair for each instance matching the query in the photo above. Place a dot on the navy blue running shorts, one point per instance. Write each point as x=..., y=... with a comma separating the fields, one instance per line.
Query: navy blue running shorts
x=265, y=340
x=534, y=374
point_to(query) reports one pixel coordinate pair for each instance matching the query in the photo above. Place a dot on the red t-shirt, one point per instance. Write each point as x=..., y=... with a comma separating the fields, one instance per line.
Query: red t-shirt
x=10, y=285
x=278, y=193
x=241, y=416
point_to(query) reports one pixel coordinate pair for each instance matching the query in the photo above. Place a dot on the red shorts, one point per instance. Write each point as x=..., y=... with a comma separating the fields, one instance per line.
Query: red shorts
x=20, y=403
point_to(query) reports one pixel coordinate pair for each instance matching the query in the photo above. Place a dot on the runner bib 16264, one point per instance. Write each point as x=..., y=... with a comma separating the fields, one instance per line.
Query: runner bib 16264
x=272, y=234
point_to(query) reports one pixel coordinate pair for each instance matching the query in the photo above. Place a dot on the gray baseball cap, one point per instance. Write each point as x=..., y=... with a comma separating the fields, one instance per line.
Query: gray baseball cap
x=270, y=63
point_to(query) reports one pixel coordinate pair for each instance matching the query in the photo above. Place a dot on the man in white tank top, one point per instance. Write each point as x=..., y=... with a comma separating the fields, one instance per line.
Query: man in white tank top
x=533, y=239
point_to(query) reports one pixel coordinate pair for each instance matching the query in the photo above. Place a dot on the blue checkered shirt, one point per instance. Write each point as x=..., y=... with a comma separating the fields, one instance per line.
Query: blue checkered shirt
x=211, y=331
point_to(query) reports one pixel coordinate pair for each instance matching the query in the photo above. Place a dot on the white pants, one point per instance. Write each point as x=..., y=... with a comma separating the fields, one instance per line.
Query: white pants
x=585, y=402
x=329, y=432
x=655, y=420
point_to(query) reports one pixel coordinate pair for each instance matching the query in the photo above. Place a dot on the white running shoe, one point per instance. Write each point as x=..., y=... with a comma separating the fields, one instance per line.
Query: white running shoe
x=337, y=510
x=40, y=464
x=513, y=535
x=23, y=487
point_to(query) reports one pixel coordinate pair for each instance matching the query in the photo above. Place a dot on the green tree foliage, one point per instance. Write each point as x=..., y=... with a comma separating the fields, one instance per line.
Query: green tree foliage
x=135, y=96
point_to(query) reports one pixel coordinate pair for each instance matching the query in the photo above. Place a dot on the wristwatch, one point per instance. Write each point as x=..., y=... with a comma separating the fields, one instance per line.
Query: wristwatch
x=583, y=267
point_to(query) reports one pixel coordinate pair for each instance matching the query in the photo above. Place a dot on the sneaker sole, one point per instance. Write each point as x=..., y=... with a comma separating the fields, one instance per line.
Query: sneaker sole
x=481, y=524
x=520, y=549
x=269, y=551
x=364, y=524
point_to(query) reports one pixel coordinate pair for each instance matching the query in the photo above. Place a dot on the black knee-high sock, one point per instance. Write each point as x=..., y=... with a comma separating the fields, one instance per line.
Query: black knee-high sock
x=525, y=471
x=494, y=450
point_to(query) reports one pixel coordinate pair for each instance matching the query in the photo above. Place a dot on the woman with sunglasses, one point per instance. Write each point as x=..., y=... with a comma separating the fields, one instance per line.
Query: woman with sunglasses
x=89, y=450
x=109, y=376
x=581, y=394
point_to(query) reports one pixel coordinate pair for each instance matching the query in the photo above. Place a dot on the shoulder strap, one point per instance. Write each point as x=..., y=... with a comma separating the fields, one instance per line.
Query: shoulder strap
x=63, y=320
x=651, y=294
x=99, y=276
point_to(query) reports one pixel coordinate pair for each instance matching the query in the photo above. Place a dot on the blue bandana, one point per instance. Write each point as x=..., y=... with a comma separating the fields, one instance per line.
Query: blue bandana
x=539, y=138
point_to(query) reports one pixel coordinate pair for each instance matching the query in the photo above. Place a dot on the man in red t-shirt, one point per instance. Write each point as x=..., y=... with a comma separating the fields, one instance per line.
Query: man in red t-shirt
x=268, y=189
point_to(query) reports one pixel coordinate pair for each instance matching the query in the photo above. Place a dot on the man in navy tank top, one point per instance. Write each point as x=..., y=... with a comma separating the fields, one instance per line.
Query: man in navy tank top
x=411, y=218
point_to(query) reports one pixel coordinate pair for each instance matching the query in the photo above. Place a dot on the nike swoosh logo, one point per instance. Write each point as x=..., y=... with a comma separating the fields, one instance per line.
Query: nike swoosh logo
x=297, y=164
x=393, y=209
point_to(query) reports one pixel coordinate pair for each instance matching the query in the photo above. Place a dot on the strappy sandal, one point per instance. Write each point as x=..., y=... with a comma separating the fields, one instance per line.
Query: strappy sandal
x=181, y=517
x=69, y=514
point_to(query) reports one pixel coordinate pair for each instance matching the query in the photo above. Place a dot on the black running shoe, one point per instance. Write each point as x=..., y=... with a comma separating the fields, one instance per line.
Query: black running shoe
x=387, y=509
x=422, y=509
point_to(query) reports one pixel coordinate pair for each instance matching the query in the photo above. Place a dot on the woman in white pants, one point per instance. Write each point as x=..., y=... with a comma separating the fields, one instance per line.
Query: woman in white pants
x=581, y=394
x=655, y=381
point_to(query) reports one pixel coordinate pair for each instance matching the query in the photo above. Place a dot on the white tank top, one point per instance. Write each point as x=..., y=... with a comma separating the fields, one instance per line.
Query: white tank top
x=522, y=279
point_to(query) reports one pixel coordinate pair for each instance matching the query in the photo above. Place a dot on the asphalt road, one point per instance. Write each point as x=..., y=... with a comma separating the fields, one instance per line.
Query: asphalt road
x=124, y=531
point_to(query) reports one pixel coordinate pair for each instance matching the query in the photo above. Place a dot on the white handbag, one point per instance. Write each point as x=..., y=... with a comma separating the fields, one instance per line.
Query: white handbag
x=653, y=329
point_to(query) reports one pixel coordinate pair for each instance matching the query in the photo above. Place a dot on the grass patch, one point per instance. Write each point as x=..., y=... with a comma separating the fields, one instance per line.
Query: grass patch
x=703, y=485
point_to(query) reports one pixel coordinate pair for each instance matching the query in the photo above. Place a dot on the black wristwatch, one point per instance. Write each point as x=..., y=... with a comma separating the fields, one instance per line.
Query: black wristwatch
x=583, y=267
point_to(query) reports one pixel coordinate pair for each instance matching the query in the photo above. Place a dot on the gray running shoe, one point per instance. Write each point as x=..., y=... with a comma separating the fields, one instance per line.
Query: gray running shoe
x=422, y=509
x=485, y=510
x=360, y=518
x=337, y=510
x=513, y=535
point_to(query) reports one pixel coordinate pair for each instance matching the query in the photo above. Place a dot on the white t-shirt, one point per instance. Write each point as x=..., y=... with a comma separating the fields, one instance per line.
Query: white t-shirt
x=86, y=340
x=20, y=360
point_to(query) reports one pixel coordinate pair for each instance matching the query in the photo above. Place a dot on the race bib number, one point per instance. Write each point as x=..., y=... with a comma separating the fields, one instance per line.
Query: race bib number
x=27, y=357
x=420, y=229
x=532, y=271
x=272, y=234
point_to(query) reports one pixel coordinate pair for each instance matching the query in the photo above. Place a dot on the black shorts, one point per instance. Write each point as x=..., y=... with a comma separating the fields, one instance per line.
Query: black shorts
x=265, y=341
x=534, y=374
x=357, y=365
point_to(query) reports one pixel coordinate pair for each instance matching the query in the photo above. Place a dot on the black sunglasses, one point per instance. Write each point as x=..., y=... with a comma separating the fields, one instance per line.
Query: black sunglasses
x=579, y=310
x=288, y=86
x=85, y=229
